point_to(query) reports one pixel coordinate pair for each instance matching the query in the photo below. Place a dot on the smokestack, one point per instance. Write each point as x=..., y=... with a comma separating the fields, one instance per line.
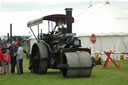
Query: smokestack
x=8, y=36
x=69, y=19
x=10, y=32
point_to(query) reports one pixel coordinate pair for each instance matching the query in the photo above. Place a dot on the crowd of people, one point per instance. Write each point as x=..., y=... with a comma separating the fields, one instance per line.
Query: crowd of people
x=11, y=53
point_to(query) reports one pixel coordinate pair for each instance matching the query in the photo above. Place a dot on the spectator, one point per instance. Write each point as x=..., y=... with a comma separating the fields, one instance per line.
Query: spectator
x=26, y=48
x=6, y=62
x=8, y=44
x=17, y=40
x=4, y=48
x=13, y=51
x=19, y=59
x=0, y=41
x=1, y=60
x=4, y=57
x=3, y=42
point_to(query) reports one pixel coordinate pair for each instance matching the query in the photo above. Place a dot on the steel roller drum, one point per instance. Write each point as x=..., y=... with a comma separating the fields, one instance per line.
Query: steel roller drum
x=76, y=61
x=43, y=57
x=43, y=50
x=40, y=53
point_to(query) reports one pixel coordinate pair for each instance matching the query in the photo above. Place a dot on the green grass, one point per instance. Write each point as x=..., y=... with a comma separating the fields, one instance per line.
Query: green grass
x=100, y=76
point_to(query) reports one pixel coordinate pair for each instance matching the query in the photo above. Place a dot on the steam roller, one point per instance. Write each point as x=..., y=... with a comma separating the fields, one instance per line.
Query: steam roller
x=59, y=48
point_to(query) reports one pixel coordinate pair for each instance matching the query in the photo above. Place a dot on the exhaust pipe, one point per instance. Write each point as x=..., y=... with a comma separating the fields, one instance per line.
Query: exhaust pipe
x=10, y=32
x=69, y=19
x=8, y=37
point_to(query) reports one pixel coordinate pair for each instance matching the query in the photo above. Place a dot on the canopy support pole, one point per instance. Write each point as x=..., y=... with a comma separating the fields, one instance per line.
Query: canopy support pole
x=38, y=30
x=33, y=34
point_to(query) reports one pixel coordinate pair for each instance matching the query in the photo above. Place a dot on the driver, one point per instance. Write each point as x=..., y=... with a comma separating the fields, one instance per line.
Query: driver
x=62, y=29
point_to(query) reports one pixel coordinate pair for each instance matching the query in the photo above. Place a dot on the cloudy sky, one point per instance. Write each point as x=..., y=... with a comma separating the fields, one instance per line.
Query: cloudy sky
x=19, y=12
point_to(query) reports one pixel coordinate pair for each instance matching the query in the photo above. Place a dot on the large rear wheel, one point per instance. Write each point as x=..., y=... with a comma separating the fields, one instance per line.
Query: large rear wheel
x=39, y=59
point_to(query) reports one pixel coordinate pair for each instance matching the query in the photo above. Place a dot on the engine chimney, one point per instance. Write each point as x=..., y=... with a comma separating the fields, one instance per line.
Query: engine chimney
x=10, y=32
x=69, y=19
x=8, y=37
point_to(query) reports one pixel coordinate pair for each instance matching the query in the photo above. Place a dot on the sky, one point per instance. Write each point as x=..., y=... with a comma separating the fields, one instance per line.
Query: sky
x=19, y=12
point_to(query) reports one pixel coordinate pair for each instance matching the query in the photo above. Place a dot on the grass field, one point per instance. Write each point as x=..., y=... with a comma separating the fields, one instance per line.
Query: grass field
x=100, y=76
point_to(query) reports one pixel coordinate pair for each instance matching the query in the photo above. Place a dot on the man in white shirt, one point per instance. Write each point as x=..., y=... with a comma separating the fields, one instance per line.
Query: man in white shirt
x=19, y=59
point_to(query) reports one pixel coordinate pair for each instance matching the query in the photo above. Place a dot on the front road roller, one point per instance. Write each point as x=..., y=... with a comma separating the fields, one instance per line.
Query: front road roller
x=76, y=63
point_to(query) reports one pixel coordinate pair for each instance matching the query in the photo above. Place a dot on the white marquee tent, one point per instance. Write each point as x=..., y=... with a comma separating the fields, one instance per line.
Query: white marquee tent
x=109, y=24
x=116, y=43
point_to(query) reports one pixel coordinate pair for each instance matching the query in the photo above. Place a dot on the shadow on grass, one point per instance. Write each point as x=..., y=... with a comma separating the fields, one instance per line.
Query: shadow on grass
x=51, y=74
x=48, y=73
x=54, y=73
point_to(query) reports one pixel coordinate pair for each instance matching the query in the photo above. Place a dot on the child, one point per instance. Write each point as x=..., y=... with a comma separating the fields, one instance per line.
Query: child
x=6, y=62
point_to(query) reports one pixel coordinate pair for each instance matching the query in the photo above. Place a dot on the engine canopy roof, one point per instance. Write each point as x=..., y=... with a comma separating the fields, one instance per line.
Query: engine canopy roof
x=58, y=18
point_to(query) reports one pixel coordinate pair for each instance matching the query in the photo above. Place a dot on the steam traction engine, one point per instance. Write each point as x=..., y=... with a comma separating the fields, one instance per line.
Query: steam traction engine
x=59, y=49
